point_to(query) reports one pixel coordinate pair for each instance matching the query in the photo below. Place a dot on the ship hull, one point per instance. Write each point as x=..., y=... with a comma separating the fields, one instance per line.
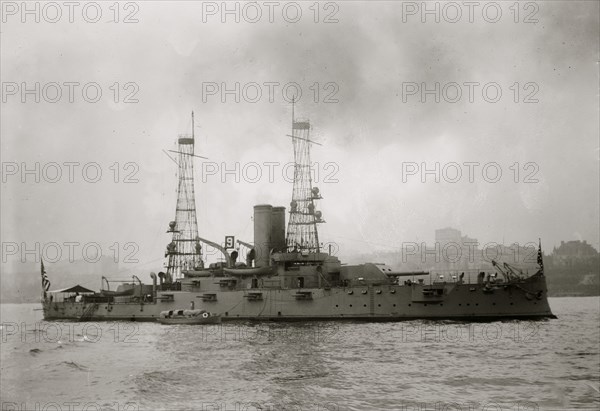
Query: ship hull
x=526, y=300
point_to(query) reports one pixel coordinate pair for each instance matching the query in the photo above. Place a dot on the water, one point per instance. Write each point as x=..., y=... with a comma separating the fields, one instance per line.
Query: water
x=524, y=365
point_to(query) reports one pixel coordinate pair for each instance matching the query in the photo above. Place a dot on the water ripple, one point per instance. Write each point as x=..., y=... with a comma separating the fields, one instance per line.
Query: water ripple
x=321, y=365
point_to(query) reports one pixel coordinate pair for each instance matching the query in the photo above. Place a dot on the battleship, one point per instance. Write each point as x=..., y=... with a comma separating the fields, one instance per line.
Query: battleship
x=286, y=274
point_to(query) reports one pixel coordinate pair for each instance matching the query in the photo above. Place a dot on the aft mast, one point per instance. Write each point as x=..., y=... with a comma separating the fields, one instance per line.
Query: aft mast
x=302, y=233
x=184, y=251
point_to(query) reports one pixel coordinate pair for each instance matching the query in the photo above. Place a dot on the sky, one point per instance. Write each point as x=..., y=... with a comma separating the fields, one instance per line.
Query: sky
x=503, y=100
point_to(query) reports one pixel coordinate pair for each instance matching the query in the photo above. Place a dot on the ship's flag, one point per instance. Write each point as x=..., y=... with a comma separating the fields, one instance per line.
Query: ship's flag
x=540, y=260
x=45, y=281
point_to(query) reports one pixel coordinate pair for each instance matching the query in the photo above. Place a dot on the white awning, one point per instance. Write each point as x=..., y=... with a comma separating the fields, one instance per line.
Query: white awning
x=75, y=289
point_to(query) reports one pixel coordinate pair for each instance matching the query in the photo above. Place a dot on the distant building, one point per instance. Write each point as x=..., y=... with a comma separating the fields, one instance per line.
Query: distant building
x=448, y=235
x=457, y=252
x=572, y=252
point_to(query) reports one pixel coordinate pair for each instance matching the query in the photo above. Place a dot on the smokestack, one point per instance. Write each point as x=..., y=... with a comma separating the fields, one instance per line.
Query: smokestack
x=278, y=229
x=262, y=234
x=153, y=276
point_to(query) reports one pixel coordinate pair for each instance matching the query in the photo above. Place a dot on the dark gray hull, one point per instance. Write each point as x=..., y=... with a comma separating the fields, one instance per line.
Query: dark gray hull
x=526, y=299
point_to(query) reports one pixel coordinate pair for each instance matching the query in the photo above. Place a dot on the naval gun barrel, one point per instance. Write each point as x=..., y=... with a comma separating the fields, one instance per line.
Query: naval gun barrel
x=406, y=273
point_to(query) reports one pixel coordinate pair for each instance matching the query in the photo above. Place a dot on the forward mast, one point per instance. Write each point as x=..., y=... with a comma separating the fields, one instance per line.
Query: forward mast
x=184, y=252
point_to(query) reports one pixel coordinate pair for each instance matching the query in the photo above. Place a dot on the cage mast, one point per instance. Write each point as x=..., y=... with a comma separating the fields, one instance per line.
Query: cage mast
x=302, y=233
x=184, y=252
